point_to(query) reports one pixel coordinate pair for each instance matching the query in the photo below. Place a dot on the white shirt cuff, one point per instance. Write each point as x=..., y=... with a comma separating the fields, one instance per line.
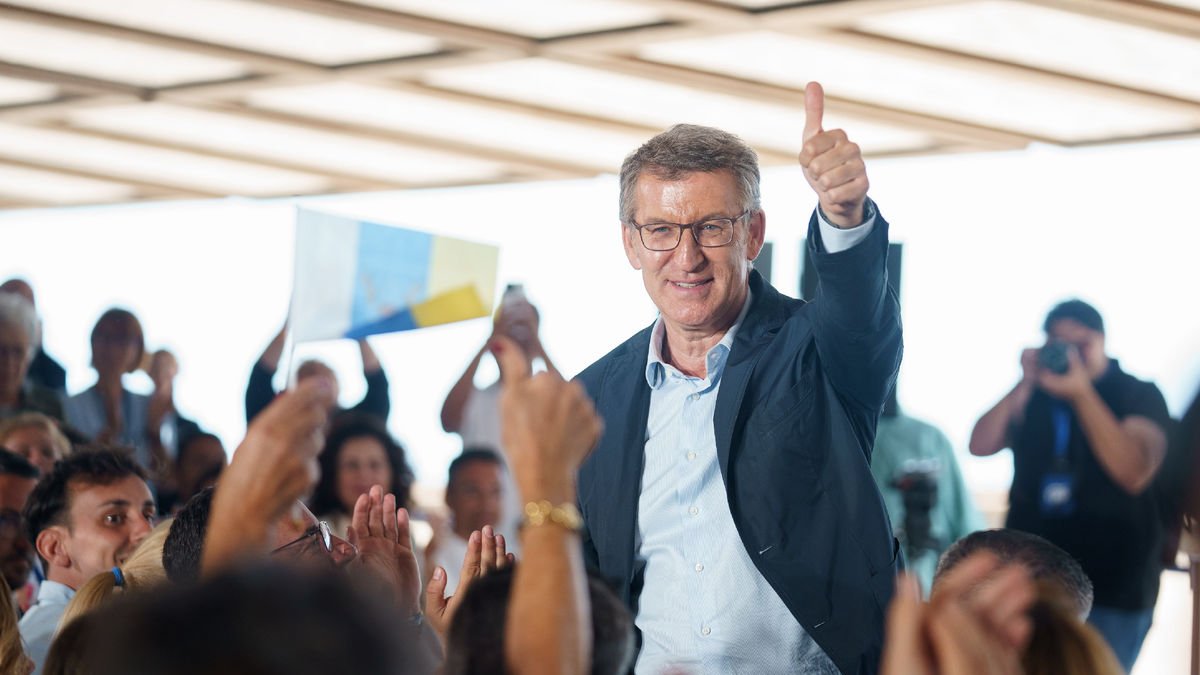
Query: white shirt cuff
x=837, y=240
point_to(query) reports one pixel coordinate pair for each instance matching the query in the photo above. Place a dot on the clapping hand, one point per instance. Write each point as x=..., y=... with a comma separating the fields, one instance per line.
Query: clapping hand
x=485, y=552
x=976, y=623
x=380, y=532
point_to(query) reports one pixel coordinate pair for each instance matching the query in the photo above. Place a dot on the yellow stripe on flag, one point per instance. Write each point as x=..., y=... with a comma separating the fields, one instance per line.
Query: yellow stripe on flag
x=459, y=304
x=454, y=263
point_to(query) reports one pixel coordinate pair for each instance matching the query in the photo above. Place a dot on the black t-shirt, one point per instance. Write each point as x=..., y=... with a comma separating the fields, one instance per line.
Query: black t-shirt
x=1114, y=535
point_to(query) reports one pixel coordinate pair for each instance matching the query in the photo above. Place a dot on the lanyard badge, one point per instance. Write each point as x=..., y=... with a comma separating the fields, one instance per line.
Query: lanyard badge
x=1058, y=485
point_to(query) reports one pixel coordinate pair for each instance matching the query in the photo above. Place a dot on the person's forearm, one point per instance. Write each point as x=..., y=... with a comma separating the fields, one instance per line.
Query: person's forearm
x=550, y=367
x=991, y=432
x=230, y=537
x=259, y=391
x=274, y=351
x=1121, y=456
x=456, y=400
x=370, y=360
x=549, y=614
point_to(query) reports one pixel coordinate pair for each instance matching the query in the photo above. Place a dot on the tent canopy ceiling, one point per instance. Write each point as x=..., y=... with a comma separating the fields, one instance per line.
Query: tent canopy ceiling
x=106, y=102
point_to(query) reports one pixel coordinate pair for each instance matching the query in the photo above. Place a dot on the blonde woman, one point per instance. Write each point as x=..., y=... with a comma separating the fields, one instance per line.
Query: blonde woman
x=12, y=654
x=37, y=438
x=143, y=569
x=1061, y=644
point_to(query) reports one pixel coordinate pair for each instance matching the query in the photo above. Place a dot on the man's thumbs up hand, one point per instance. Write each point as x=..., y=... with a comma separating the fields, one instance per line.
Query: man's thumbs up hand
x=832, y=164
x=814, y=109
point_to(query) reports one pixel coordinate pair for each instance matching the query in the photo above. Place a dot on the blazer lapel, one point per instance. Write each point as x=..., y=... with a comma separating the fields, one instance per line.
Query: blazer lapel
x=760, y=325
x=626, y=402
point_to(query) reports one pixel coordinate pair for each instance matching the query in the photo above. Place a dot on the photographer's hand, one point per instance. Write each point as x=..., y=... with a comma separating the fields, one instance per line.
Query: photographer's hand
x=1029, y=365
x=1069, y=386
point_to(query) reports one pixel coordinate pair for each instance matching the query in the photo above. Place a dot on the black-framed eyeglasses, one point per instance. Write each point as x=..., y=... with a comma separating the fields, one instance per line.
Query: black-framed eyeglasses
x=709, y=232
x=328, y=545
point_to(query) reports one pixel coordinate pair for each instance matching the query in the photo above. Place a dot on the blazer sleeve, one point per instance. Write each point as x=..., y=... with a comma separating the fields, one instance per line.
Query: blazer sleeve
x=856, y=317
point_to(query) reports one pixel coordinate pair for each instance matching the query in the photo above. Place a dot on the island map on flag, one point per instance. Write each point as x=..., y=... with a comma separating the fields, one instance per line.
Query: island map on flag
x=355, y=278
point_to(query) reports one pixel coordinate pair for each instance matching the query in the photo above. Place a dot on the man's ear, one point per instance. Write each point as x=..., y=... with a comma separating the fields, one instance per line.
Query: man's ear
x=758, y=234
x=52, y=546
x=629, y=239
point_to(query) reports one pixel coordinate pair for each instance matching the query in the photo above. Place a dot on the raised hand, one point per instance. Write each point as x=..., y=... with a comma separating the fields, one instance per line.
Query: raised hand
x=485, y=552
x=549, y=426
x=275, y=465
x=832, y=164
x=976, y=623
x=380, y=532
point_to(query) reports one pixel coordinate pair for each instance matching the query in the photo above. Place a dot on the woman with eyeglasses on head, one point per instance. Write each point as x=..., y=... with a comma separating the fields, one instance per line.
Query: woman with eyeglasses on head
x=359, y=452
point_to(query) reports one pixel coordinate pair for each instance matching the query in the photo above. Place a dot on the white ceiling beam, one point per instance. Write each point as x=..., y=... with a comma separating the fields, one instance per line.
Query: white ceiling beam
x=342, y=181
x=150, y=188
x=533, y=166
x=951, y=131
x=1014, y=71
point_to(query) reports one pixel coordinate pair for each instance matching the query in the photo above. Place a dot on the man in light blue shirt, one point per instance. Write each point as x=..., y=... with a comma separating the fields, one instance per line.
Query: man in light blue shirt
x=730, y=496
x=84, y=517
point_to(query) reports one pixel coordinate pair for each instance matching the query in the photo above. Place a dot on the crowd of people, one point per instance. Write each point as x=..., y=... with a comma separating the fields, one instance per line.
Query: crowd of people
x=733, y=489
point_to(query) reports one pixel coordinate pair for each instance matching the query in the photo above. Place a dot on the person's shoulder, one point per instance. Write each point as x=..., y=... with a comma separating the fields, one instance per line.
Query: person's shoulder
x=1137, y=396
x=1131, y=384
x=768, y=303
x=44, y=400
x=638, y=344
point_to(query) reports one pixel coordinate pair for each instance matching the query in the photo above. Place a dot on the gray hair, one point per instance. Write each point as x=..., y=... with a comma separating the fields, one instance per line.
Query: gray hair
x=16, y=311
x=689, y=148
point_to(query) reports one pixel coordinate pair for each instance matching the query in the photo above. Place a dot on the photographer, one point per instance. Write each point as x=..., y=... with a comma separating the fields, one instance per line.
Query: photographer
x=915, y=467
x=1087, y=441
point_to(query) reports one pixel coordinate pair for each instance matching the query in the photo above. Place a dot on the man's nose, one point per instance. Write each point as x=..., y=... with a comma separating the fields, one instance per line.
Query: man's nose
x=142, y=527
x=689, y=252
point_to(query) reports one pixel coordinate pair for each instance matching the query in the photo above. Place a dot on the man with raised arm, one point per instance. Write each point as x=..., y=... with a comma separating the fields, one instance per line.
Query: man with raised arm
x=730, y=497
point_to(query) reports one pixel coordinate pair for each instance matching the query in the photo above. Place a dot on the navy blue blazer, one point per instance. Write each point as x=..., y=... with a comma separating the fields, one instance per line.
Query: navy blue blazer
x=794, y=423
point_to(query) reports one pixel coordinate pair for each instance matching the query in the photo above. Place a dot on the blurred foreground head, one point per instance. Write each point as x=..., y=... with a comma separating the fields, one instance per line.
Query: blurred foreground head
x=267, y=620
x=1061, y=643
x=1046, y=563
x=475, y=644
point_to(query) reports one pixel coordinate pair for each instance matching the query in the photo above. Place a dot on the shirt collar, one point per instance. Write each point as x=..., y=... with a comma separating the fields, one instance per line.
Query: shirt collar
x=54, y=592
x=656, y=368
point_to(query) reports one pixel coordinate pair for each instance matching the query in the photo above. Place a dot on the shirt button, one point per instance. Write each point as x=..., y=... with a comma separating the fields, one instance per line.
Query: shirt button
x=691, y=456
x=706, y=630
x=699, y=568
x=694, y=511
x=694, y=397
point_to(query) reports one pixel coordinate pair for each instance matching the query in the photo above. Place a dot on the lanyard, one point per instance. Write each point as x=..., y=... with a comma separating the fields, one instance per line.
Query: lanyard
x=1062, y=430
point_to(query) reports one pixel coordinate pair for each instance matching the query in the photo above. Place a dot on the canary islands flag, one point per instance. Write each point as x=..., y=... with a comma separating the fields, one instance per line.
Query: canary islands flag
x=355, y=278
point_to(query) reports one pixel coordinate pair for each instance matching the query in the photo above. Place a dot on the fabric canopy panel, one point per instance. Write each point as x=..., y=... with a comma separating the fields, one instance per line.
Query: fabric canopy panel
x=355, y=278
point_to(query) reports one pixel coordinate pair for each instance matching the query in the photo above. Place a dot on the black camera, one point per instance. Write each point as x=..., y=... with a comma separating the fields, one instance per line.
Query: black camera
x=917, y=481
x=1053, y=357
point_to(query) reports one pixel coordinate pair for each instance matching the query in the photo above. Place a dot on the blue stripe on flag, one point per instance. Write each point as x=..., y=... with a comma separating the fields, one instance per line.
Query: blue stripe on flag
x=402, y=320
x=391, y=274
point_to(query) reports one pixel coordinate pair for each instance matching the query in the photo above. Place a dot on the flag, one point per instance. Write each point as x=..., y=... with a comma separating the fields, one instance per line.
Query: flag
x=355, y=278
